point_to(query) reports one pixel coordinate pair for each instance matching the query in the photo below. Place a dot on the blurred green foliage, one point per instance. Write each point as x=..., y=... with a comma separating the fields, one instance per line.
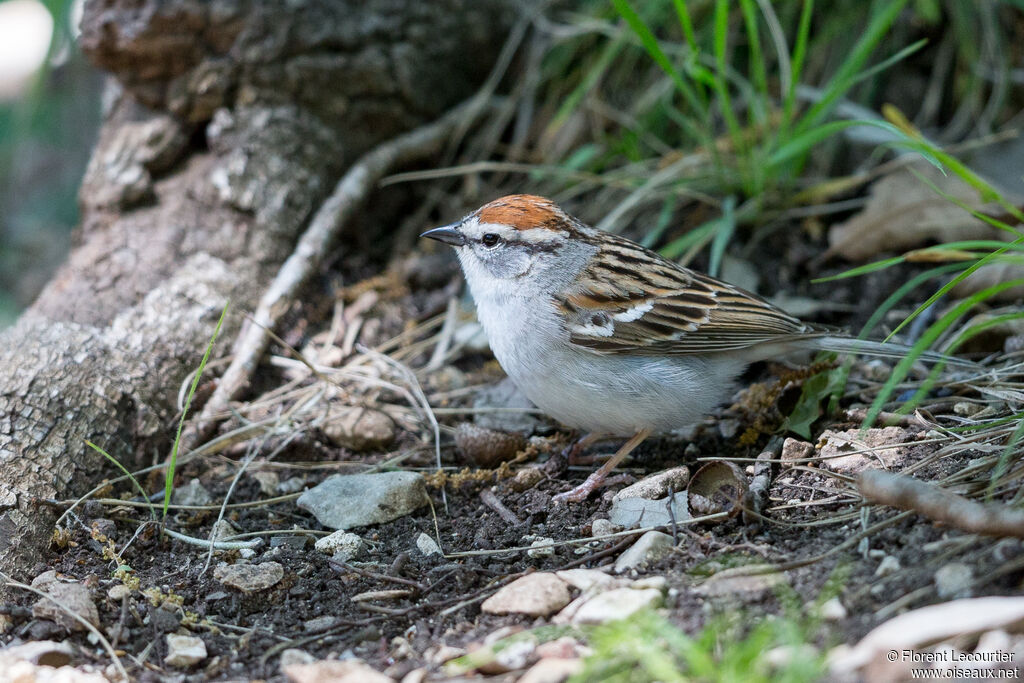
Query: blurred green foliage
x=46, y=134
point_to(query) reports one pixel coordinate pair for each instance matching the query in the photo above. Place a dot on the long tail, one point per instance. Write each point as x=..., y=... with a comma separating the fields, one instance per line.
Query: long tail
x=863, y=347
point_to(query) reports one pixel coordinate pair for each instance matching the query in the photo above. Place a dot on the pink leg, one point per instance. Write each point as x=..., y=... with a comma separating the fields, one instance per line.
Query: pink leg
x=573, y=451
x=581, y=492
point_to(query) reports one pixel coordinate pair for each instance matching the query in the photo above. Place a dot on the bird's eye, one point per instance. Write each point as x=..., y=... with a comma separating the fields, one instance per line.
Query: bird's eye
x=490, y=239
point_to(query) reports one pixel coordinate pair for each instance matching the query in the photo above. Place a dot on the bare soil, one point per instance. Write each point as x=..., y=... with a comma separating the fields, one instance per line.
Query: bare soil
x=809, y=514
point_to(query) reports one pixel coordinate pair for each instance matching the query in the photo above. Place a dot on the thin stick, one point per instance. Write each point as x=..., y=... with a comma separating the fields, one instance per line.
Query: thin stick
x=936, y=503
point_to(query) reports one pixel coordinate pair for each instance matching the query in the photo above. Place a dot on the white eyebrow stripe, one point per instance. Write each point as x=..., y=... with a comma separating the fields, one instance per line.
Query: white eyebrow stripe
x=531, y=236
x=634, y=313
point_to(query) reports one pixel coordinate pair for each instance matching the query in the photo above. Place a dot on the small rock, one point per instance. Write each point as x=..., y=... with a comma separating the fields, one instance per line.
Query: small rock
x=854, y=450
x=511, y=655
x=484, y=447
x=648, y=549
x=294, y=656
x=294, y=541
x=427, y=545
x=291, y=485
x=222, y=529
x=184, y=651
x=527, y=478
x=335, y=671
x=552, y=670
x=505, y=394
x=954, y=581
x=966, y=409
x=72, y=595
x=585, y=579
x=603, y=527
x=633, y=513
x=104, y=527
x=536, y=595
x=746, y=588
x=657, y=486
x=795, y=449
x=784, y=656
x=320, y=624
x=833, y=610
x=439, y=654
x=192, y=493
x=344, y=545
x=344, y=501
x=561, y=648
x=617, y=603
x=887, y=566
x=249, y=578
x=540, y=546
x=164, y=619
x=360, y=429
x=118, y=592
x=268, y=481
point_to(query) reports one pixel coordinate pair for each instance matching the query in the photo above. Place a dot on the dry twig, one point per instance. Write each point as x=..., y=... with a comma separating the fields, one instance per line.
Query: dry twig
x=940, y=505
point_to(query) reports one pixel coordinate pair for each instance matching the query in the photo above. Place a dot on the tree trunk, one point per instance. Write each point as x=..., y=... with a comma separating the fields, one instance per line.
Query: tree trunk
x=226, y=125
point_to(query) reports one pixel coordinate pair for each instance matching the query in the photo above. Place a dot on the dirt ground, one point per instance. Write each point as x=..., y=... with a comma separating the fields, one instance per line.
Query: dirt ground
x=809, y=512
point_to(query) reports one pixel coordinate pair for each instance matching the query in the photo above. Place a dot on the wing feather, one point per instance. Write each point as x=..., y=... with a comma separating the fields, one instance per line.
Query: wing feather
x=633, y=301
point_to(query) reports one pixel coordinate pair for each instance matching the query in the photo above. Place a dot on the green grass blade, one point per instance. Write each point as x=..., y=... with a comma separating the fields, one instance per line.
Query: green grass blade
x=723, y=234
x=131, y=477
x=653, y=48
x=844, y=77
x=680, y=245
x=861, y=270
x=988, y=258
x=796, y=65
x=930, y=335
x=169, y=477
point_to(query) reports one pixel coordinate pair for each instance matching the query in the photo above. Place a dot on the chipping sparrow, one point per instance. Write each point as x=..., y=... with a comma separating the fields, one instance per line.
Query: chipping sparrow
x=609, y=337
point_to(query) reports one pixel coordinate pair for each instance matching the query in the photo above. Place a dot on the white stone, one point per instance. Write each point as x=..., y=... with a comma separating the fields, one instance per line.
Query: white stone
x=603, y=527
x=887, y=566
x=184, y=651
x=541, y=547
x=657, y=486
x=552, y=670
x=585, y=579
x=648, y=549
x=833, y=610
x=954, y=580
x=537, y=595
x=341, y=543
x=617, y=603
x=427, y=545
x=249, y=578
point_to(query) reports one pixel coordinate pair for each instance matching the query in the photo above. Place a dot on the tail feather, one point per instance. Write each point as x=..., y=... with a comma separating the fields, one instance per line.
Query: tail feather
x=863, y=347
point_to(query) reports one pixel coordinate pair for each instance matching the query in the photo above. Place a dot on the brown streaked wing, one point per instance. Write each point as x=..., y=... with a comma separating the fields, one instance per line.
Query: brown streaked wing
x=689, y=312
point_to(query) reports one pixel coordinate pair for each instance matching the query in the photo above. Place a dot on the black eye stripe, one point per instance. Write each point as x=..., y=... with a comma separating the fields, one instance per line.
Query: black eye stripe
x=550, y=246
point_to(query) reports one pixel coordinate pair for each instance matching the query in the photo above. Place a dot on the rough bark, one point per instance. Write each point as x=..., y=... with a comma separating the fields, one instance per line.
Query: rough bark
x=226, y=126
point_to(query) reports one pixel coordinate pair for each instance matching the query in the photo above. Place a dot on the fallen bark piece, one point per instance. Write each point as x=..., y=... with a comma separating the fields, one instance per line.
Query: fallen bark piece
x=919, y=628
x=935, y=503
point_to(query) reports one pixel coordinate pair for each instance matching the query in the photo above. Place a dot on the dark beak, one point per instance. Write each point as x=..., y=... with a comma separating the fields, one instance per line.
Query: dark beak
x=449, y=234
